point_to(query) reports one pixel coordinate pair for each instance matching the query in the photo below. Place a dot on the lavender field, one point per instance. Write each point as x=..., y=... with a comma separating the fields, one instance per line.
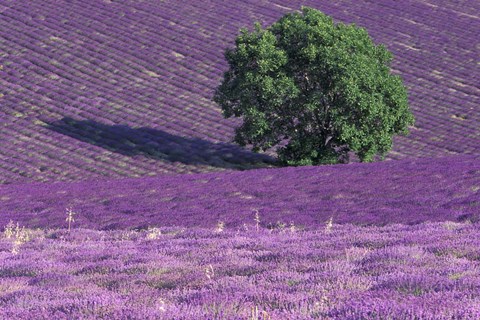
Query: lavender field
x=123, y=197
x=389, y=240
x=401, y=191
x=93, y=89
x=427, y=271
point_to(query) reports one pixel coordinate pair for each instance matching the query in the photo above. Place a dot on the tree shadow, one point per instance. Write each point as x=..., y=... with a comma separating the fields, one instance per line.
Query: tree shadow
x=160, y=145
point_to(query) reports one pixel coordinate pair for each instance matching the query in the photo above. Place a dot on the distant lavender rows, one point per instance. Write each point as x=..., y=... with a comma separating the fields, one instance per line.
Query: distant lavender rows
x=425, y=272
x=155, y=65
x=401, y=191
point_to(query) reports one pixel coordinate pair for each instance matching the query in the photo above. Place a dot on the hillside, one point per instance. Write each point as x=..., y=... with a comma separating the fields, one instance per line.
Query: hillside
x=116, y=89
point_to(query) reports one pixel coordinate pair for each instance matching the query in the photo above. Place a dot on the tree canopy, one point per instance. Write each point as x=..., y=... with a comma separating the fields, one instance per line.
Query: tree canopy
x=323, y=89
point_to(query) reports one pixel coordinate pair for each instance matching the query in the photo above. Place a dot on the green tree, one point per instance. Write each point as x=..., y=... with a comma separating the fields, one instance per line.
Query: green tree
x=323, y=89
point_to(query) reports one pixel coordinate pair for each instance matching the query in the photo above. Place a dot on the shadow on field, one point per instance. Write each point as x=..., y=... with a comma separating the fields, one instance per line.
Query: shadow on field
x=160, y=145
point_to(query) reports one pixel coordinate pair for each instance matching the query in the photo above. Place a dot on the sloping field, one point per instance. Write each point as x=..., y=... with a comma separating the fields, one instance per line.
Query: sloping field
x=117, y=89
x=401, y=191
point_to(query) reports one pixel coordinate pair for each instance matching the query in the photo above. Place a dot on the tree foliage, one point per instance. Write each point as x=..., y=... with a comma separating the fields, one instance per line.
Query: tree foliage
x=323, y=88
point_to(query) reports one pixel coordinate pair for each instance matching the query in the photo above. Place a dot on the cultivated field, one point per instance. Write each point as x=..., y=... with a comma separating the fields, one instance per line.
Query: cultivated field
x=401, y=191
x=427, y=271
x=115, y=89
x=105, y=106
